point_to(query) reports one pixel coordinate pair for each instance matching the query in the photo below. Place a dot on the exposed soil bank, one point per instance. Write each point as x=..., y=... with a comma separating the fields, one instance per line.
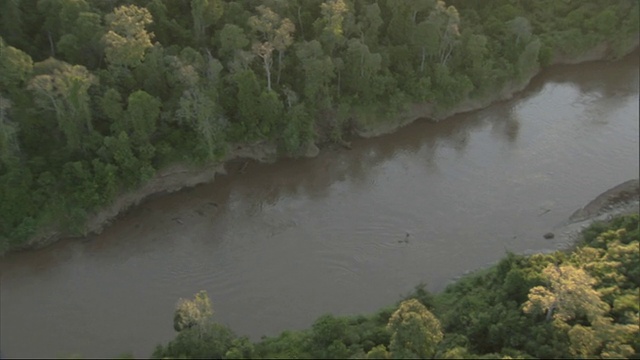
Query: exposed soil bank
x=170, y=179
x=179, y=176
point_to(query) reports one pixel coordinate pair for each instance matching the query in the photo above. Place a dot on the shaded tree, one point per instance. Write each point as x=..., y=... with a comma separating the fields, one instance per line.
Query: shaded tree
x=64, y=91
x=204, y=14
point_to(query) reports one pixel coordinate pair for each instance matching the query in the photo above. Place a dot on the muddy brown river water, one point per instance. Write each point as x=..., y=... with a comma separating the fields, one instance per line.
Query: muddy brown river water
x=281, y=244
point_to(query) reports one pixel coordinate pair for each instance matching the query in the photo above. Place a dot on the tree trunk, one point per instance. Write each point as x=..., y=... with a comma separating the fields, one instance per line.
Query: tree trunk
x=300, y=22
x=267, y=69
x=444, y=61
x=550, y=312
x=53, y=50
x=424, y=55
x=279, y=66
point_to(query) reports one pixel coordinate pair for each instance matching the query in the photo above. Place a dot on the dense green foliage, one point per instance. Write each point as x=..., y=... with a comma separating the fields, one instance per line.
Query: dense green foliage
x=578, y=304
x=96, y=96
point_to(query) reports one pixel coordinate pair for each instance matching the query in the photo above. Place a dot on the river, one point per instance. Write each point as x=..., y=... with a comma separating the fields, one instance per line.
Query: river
x=277, y=245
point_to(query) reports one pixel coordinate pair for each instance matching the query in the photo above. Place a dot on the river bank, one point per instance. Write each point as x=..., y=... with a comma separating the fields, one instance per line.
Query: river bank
x=180, y=176
x=302, y=237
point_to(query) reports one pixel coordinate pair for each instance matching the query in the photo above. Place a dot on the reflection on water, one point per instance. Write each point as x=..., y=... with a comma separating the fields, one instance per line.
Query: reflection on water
x=281, y=244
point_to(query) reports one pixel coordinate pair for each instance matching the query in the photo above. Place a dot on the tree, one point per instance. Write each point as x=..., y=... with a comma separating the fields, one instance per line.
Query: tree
x=446, y=20
x=190, y=313
x=378, y=352
x=327, y=334
x=275, y=33
x=11, y=22
x=118, y=150
x=415, y=331
x=141, y=116
x=362, y=71
x=426, y=40
x=204, y=14
x=369, y=24
x=318, y=70
x=9, y=146
x=330, y=25
x=246, y=108
x=15, y=68
x=56, y=14
x=569, y=293
x=231, y=39
x=400, y=23
x=166, y=27
x=521, y=28
x=298, y=129
x=211, y=341
x=528, y=60
x=199, y=111
x=65, y=92
x=82, y=45
x=127, y=39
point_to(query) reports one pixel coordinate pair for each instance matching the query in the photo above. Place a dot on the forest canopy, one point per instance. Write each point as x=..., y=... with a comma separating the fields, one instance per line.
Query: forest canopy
x=97, y=96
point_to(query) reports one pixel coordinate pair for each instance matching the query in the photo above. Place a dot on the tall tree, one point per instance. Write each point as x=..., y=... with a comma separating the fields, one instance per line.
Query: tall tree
x=521, y=28
x=11, y=22
x=569, y=293
x=65, y=92
x=230, y=40
x=127, y=38
x=330, y=25
x=190, y=313
x=274, y=33
x=318, y=72
x=447, y=21
x=141, y=116
x=15, y=68
x=204, y=14
x=199, y=110
x=369, y=24
x=415, y=331
x=9, y=146
x=82, y=45
x=362, y=71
